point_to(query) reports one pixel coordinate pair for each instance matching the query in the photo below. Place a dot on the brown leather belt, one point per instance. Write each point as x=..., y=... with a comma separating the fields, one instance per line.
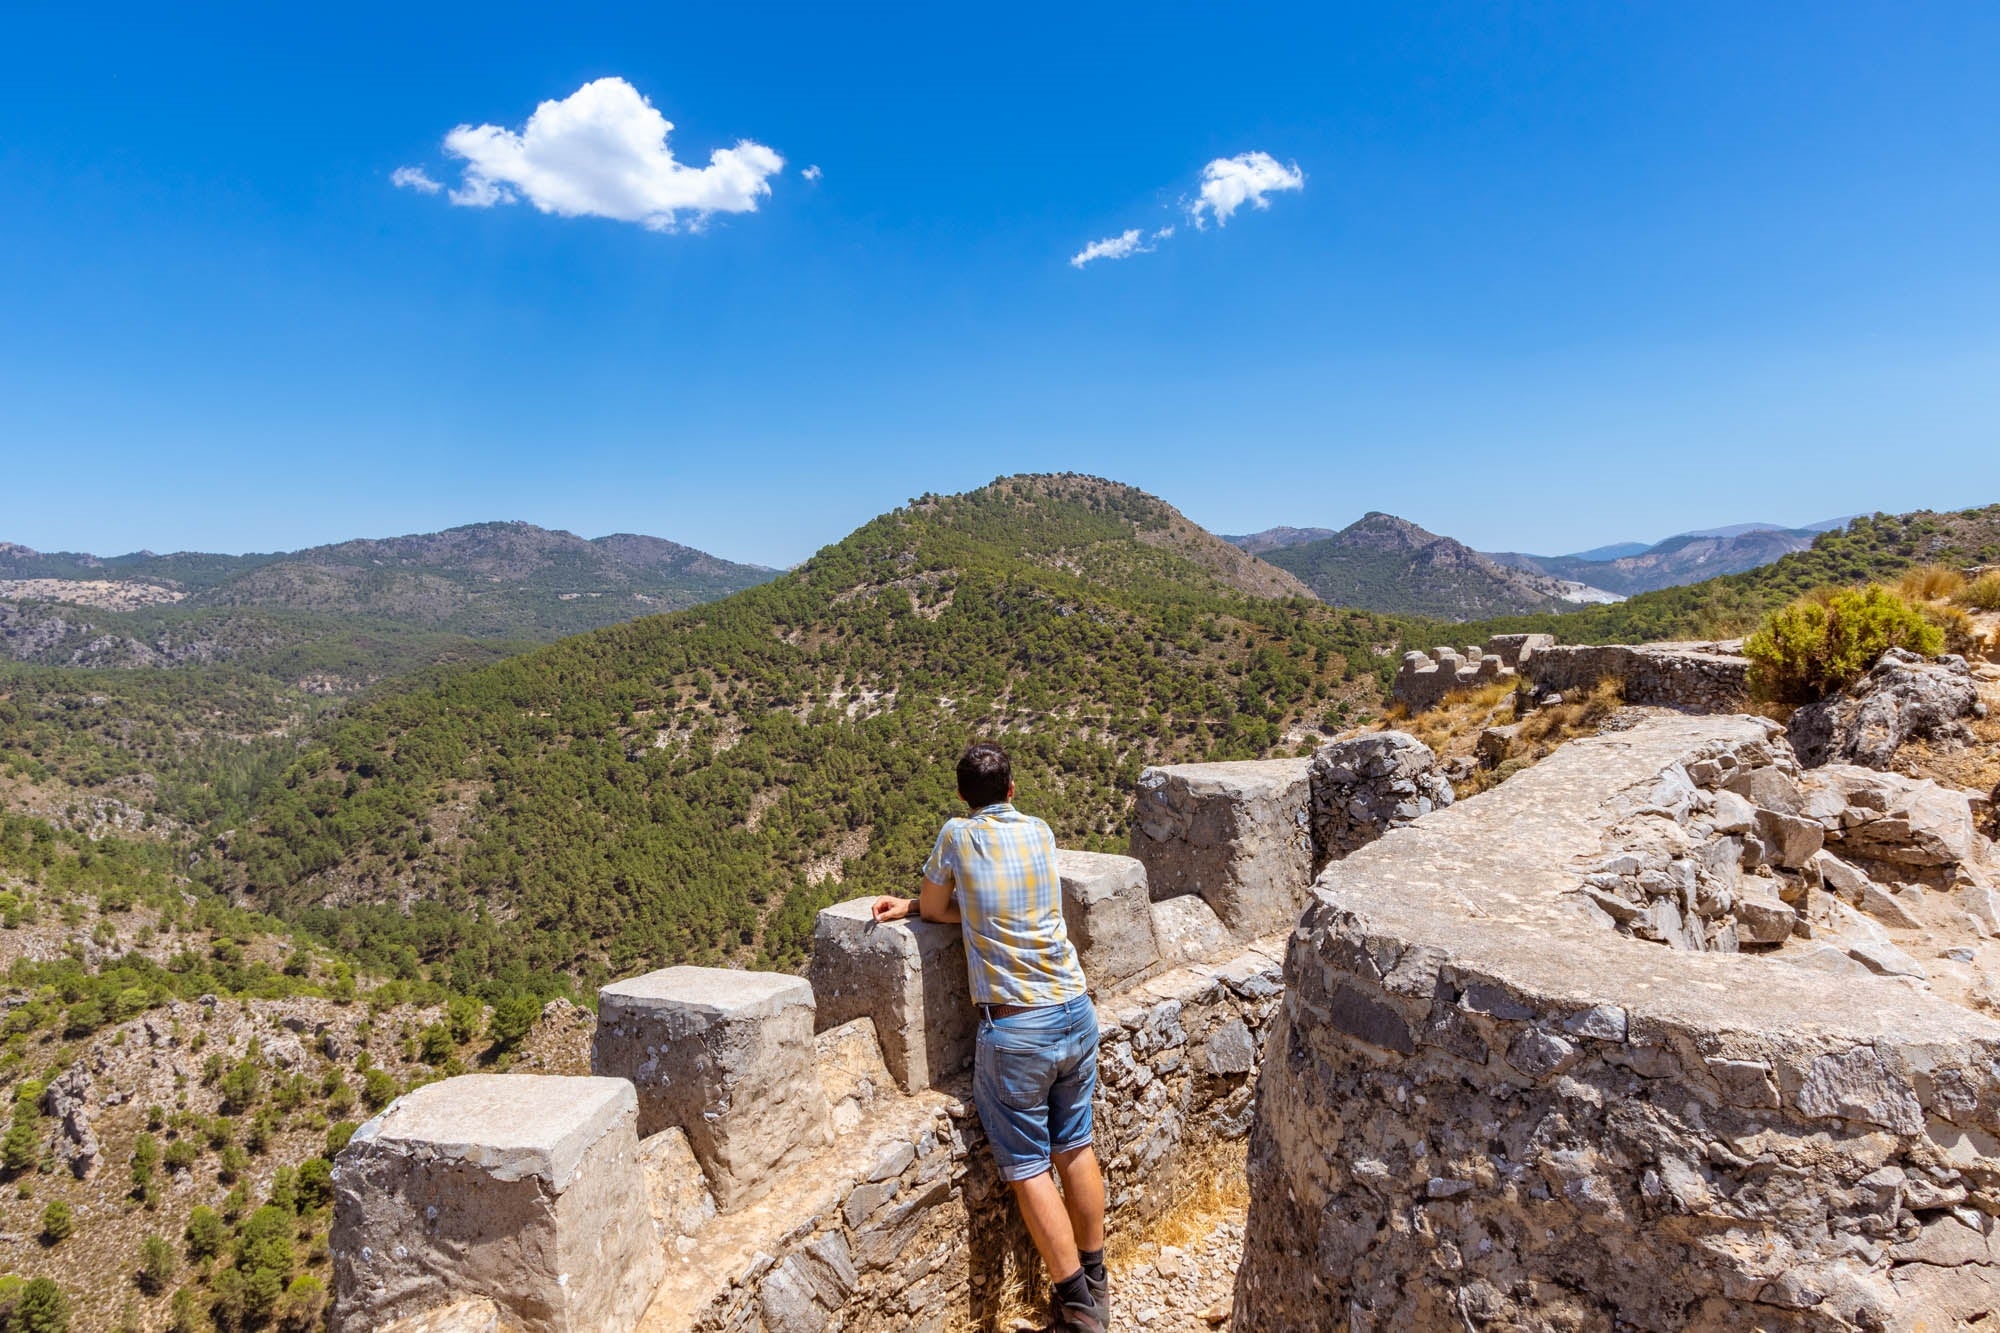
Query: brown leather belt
x=993, y=1011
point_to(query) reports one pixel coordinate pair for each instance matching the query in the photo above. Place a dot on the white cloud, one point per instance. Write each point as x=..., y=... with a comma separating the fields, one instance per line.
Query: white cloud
x=1121, y=246
x=413, y=178
x=602, y=152
x=1228, y=183
x=1163, y=233
x=811, y=173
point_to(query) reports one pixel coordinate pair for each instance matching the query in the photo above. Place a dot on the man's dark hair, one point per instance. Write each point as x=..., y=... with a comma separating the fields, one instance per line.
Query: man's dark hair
x=984, y=775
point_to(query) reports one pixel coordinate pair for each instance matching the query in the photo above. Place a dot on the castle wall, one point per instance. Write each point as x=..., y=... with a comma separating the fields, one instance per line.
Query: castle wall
x=1486, y=1106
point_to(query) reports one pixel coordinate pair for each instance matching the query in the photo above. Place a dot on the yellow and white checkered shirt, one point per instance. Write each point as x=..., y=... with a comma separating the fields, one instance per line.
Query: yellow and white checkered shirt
x=1001, y=866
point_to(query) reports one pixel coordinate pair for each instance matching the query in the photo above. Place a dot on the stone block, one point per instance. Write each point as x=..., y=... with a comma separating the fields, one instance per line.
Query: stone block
x=909, y=977
x=1189, y=931
x=1237, y=834
x=522, y=1189
x=727, y=1056
x=1108, y=914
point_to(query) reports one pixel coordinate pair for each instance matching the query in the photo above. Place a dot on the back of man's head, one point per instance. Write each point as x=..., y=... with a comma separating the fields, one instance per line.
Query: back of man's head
x=984, y=775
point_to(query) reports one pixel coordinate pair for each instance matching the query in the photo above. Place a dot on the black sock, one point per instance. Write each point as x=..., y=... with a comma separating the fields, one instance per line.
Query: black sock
x=1093, y=1264
x=1074, y=1290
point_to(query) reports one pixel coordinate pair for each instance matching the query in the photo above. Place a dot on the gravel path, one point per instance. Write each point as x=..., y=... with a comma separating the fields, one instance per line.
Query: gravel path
x=1180, y=1288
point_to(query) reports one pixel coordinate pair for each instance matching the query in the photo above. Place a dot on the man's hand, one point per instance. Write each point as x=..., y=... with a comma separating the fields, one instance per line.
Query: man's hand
x=892, y=909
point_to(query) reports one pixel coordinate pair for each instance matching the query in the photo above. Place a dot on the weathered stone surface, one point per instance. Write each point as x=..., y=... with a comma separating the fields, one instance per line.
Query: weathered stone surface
x=1188, y=931
x=67, y=1101
x=1237, y=834
x=522, y=1189
x=1363, y=787
x=1905, y=697
x=907, y=976
x=725, y=1055
x=1716, y=1165
x=1696, y=677
x=1108, y=914
x=676, y=1186
x=1893, y=820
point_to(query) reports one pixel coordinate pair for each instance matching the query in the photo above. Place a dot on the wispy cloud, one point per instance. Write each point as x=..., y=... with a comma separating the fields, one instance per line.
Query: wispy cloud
x=1122, y=246
x=414, y=178
x=1228, y=183
x=600, y=152
x=811, y=173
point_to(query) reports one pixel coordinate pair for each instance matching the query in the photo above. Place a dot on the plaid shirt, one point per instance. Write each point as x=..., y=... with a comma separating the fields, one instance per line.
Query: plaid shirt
x=1001, y=866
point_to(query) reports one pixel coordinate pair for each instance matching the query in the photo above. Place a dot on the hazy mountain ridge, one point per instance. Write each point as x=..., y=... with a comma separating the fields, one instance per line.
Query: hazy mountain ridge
x=1384, y=563
x=483, y=582
x=1686, y=558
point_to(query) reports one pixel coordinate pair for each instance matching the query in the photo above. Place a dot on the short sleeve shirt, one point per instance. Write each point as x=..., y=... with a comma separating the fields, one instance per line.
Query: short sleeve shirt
x=1001, y=866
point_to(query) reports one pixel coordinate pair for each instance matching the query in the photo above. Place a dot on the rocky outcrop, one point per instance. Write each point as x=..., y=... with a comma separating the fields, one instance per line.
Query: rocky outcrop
x=1487, y=1109
x=1237, y=834
x=1362, y=788
x=1905, y=697
x=67, y=1101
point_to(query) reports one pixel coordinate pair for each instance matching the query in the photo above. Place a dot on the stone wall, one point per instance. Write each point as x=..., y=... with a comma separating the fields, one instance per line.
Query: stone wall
x=1693, y=677
x=1424, y=679
x=1482, y=1108
x=809, y=1159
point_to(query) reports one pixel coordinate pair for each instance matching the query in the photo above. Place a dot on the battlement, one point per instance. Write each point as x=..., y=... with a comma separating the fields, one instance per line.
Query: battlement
x=800, y=1148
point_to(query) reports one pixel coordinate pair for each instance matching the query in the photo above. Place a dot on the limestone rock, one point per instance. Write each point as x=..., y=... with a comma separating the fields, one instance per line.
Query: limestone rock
x=909, y=977
x=1362, y=788
x=67, y=1100
x=1108, y=914
x=1188, y=930
x=727, y=1056
x=1237, y=834
x=523, y=1189
x=1904, y=697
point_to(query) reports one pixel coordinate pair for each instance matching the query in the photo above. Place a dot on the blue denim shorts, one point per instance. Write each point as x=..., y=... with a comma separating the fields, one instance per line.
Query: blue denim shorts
x=1032, y=1080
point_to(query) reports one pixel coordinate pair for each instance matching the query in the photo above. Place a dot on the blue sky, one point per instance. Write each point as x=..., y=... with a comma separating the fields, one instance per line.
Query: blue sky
x=1556, y=276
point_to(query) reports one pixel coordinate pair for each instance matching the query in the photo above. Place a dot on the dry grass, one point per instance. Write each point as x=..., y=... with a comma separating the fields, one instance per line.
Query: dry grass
x=1452, y=728
x=1214, y=1185
x=1930, y=583
x=1983, y=593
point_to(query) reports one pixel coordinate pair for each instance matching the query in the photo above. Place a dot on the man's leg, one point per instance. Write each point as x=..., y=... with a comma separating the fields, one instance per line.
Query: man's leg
x=1048, y=1219
x=1083, y=1196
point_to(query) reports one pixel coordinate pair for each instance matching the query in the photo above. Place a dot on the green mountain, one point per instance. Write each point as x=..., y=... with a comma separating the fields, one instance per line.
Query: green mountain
x=350, y=612
x=693, y=787
x=1384, y=563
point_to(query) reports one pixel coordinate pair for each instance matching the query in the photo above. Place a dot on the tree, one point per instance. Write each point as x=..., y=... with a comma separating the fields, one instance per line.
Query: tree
x=206, y=1234
x=157, y=1263
x=57, y=1222
x=42, y=1309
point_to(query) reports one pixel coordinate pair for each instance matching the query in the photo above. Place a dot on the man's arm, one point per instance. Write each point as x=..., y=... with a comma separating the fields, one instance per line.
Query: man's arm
x=934, y=902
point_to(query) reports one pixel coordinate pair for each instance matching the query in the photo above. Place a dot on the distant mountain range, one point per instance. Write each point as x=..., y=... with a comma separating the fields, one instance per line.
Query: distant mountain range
x=1384, y=563
x=418, y=595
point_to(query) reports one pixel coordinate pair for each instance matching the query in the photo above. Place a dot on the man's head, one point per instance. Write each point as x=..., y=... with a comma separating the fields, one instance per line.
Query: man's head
x=984, y=775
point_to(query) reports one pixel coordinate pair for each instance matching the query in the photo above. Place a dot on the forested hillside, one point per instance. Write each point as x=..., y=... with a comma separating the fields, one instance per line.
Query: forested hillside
x=344, y=616
x=694, y=787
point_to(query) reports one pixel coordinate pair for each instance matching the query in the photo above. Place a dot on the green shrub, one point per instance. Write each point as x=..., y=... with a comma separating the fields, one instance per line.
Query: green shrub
x=58, y=1222
x=337, y=1135
x=1824, y=642
x=206, y=1234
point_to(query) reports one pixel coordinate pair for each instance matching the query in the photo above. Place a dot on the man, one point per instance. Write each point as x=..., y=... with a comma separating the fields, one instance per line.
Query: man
x=994, y=873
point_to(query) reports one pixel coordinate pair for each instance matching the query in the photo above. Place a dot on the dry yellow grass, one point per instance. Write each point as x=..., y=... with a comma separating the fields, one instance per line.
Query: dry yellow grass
x=1930, y=583
x=1215, y=1185
x=1983, y=593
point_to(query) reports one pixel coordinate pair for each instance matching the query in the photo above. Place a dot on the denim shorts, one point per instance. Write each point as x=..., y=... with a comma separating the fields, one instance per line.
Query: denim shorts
x=1032, y=1080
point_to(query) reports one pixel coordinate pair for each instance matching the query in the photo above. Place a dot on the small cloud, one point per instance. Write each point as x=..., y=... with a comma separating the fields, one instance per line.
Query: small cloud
x=1121, y=246
x=1228, y=183
x=601, y=152
x=1163, y=233
x=811, y=173
x=413, y=178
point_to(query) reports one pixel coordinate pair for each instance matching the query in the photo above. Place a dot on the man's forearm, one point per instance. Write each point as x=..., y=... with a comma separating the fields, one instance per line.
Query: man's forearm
x=935, y=903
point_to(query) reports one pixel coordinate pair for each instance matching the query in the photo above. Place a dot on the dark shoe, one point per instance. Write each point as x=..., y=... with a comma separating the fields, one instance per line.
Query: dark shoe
x=1100, y=1292
x=1079, y=1319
